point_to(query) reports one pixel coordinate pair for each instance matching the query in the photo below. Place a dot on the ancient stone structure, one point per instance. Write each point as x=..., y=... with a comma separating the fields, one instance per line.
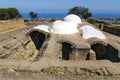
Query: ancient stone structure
x=6, y=25
x=111, y=30
x=69, y=50
x=68, y=39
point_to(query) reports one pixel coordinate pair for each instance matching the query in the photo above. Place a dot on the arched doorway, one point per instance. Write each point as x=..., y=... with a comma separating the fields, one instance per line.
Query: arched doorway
x=66, y=50
x=38, y=38
x=100, y=50
x=112, y=54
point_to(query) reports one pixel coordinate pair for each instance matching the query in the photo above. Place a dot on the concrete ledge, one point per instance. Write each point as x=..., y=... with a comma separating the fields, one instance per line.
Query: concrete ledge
x=103, y=66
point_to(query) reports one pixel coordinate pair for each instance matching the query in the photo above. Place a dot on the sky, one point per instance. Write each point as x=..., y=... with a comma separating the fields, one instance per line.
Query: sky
x=62, y=6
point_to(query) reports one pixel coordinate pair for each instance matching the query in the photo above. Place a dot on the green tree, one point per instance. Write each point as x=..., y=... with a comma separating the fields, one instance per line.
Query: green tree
x=9, y=13
x=33, y=15
x=4, y=14
x=81, y=11
x=14, y=13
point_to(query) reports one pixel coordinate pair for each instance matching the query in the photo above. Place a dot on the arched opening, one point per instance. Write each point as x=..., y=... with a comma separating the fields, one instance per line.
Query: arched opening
x=38, y=38
x=88, y=56
x=100, y=50
x=66, y=50
x=112, y=54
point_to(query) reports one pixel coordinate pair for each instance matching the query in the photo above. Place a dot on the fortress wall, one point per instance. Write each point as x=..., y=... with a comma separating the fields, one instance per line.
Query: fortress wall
x=6, y=25
x=112, y=30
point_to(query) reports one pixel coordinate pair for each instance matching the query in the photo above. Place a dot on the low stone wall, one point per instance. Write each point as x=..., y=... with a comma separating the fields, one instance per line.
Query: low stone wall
x=6, y=25
x=112, y=30
x=17, y=48
x=50, y=69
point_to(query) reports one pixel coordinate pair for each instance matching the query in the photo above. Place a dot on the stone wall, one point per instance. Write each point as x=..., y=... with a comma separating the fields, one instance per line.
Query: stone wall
x=112, y=30
x=6, y=25
x=18, y=48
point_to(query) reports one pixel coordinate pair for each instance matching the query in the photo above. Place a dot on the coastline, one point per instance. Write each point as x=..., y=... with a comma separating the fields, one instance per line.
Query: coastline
x=60, y=15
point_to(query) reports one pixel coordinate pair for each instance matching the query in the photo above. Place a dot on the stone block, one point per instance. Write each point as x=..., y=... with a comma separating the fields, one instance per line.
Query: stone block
x=4, y=53
x=10, y=44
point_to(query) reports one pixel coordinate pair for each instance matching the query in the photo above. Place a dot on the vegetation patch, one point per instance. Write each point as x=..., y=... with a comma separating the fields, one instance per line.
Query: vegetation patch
x=55, y=70
x=52, y=20
x=95, y=21
x=118, y=27
x=92, y=20
x=3, y=70
x=32, y=54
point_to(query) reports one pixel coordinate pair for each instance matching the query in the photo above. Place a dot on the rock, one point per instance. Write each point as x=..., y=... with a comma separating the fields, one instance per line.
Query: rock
x=4, y=53
x=11, y=70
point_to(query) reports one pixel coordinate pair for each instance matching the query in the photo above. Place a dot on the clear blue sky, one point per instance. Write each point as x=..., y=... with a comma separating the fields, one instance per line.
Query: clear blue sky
x=95, y=6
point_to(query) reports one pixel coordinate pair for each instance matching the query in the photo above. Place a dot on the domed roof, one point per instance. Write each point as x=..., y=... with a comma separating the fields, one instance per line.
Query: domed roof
x=89, y=32
x=57, y=21
x=63, y=27
x=73, y=18
x=42, y=27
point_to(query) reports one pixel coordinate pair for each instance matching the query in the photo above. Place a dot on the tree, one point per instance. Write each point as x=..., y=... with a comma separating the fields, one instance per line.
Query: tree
x=9, y=13
x=14, y=13
x=4, y=14
x=33, y=15
x=80, y=11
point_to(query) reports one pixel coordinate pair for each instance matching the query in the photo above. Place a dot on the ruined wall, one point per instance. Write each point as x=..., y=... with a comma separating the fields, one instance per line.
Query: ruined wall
x=112, y=30
x=18, y=48
x=6, y=25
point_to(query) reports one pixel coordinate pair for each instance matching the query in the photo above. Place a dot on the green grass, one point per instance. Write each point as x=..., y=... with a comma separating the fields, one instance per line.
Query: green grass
x=118, y=27
x=32, y=54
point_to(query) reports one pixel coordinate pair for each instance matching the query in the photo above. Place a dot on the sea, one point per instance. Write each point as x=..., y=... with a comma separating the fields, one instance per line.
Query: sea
x=61, y=15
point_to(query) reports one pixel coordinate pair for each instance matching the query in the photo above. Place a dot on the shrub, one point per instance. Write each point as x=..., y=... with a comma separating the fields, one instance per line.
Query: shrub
x=26, y=20
x=92, y=20
x=52, y=20
x=118, y=27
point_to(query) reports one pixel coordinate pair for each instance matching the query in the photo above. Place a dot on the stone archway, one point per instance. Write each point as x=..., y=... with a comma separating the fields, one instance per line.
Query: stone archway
x=100, y=50
x=66, y=50
x=38, y=38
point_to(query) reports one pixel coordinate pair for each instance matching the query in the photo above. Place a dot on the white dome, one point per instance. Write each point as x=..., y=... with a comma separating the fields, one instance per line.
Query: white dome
x=89, y=31
x=73, y=18
x=63, y=27
x=57, y=21
x=42, y=27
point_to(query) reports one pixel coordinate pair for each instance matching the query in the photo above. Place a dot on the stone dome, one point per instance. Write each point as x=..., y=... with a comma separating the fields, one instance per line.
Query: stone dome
x=73, y=18
x=89, y=32
x=42, y=27
x=57, y=21
x=64, y=27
